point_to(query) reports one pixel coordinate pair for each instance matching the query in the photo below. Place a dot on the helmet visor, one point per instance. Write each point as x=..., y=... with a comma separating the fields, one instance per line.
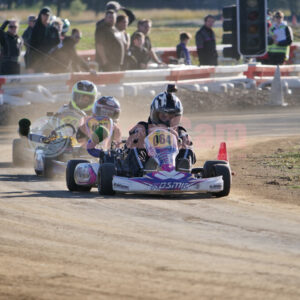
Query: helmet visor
x=85, y=87
x=104, y=111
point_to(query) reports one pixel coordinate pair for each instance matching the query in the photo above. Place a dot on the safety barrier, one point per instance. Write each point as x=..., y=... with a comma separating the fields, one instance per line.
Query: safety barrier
x=56, y=87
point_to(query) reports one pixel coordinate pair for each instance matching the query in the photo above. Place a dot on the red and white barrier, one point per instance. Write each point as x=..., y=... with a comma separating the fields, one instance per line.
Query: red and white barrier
x=136, y=82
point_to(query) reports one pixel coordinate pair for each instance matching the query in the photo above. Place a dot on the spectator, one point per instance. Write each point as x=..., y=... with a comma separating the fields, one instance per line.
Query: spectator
x=181, y=49
x=115, y=7
x=206, y=43
x=65, y=58
x=44, y=37
x=109, y=45
x=280, y=41
x=121, y=25
x=144, y=26
x=11, y=45
x=26, y=37
x=139, y=56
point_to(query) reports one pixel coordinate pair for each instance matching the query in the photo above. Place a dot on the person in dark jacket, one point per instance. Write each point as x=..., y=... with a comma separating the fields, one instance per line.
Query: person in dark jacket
x=44, y=37
x=11, y=45
x=65, y=58
x=206, y=43
x=26, y=37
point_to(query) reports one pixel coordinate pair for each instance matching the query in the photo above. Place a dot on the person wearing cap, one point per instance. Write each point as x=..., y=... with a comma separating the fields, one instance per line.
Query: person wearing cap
x=43, y=38
x=110, y=50
x=11, y=45
x=281, y=37
x=103, y=25
x=26, y=37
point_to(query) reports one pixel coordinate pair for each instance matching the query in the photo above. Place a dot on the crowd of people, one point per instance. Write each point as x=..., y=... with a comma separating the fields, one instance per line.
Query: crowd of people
x=50, y=49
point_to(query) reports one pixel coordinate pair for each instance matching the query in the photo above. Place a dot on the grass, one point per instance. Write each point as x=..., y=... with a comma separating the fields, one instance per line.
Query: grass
x=163, y=34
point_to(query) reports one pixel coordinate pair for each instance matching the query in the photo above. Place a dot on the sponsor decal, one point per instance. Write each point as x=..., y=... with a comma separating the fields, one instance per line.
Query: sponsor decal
x=215, y=186
x=121, y=186
x=172, y=185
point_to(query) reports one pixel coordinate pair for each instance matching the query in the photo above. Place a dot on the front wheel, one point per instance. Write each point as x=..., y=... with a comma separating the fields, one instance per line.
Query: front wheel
x=208, y=167
x=224, y=171
x=105, y=177
x=71, y=184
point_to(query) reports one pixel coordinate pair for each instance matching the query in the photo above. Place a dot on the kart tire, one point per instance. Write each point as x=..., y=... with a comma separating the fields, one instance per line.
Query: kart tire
x=71, y=184
x=223, y=170
x=105, y=176
x=17, y=151
x=208, y=167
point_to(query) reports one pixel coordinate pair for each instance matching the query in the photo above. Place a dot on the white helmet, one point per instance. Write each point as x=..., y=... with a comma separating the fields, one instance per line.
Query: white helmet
x=167, y=103
x=107, y=106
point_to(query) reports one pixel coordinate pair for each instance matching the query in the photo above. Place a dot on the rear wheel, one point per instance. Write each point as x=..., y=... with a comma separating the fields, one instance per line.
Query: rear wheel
x=224, y=171
x=71, y=184
x=105, y=176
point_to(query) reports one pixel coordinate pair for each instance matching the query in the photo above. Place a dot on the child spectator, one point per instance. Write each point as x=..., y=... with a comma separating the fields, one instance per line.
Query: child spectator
x=139, y=56
x=181, y=49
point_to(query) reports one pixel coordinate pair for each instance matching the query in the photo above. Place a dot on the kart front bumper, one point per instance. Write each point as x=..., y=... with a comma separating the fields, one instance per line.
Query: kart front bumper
x=167, y=182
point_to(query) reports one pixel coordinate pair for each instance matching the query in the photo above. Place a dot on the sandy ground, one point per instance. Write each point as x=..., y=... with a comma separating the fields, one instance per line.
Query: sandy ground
x=60, y=245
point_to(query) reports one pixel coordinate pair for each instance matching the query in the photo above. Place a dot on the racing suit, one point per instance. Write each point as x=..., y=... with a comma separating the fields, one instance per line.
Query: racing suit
x=87, y=127
x=137, y=154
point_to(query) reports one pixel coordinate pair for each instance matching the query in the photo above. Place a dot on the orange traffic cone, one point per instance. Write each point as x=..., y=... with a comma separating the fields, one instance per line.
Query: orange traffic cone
x=222, y=152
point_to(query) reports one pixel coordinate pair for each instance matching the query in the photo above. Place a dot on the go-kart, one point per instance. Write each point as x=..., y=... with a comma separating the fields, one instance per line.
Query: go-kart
x=110, y=175
x=23, y=148
x=50, y=152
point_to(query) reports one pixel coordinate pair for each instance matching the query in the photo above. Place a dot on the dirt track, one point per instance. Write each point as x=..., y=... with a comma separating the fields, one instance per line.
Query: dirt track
x=58, y=245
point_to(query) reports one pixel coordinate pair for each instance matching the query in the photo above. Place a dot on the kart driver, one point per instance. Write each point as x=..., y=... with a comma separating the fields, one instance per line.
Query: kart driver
x=105, y=106
x=84, y=94
x=165, y=111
